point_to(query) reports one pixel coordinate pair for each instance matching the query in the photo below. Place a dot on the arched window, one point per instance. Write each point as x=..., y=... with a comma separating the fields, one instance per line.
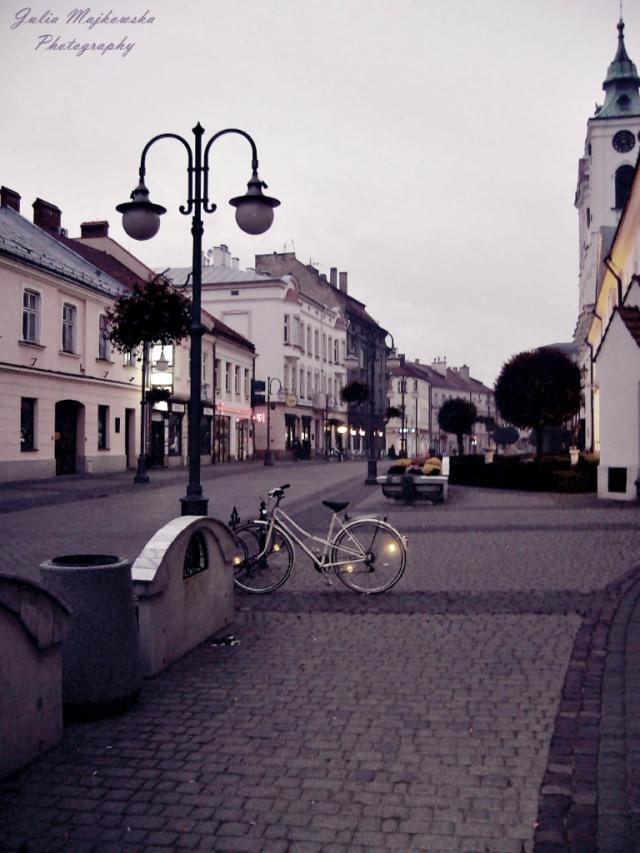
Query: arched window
x=624, y=178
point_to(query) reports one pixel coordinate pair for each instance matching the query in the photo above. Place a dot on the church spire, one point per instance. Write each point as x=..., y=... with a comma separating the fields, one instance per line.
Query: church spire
x=621, y=86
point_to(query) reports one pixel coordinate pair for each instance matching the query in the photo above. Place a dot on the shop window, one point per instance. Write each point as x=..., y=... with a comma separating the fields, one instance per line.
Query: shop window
x=103, y=427
x=175, y=434
x=27, y=424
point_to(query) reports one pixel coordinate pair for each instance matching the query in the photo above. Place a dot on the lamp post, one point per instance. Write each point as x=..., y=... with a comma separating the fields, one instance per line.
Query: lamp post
x=141, y=221
x=268, y=455
x=403, y=431
x=392, y=363
x=141, y=472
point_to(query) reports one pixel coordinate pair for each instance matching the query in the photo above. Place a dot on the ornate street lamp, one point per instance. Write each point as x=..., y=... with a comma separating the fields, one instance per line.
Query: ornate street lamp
x=351, y=361
x=268, y=454
x=141, y=221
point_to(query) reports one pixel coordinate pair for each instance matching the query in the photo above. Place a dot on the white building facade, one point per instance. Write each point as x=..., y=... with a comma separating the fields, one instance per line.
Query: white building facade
x=300, y=345
x=605, y=173
x=70, y=402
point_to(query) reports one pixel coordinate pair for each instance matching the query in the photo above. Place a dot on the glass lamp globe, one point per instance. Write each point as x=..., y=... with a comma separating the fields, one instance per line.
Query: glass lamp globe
x=254, y=210
x=140, y=217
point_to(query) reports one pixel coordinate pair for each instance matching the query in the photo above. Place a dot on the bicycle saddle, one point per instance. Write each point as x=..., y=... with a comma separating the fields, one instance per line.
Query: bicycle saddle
x=336, y=506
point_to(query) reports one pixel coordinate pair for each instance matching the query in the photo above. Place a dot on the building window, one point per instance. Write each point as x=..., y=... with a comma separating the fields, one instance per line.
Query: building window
x=103, y=427
x=227, y=377
x=246, y=383
x=216, y=376
x=309, y=347
x=316, y=342
x=309, y=386
x=287, y=329
x=104, y=347
x=294, y=381
x=286, y=377
x=336, y=351
x=27, y=424
x=624, y=179
x=301, y=382
x=129, y=358
x=236, y=380
x=31, y=316
x=68, y=327
x=330, y=349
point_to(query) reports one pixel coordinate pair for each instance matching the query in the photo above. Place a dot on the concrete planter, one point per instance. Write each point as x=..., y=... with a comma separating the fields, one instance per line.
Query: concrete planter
x=100, y=657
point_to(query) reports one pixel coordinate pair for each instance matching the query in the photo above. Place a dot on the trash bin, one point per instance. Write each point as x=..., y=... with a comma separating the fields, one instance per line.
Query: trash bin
x=100, y=657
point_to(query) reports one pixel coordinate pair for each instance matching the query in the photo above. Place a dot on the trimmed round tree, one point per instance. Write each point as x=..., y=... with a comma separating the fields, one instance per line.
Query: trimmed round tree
x=457, y=416
x=538, y=388
x=150, y=313
x=505, y=435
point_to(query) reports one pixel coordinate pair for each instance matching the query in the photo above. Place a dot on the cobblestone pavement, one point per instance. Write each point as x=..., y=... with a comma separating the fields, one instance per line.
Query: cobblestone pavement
x=474, y=707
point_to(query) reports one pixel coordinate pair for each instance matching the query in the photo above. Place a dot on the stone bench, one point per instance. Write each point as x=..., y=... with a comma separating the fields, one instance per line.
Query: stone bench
x=411, y=487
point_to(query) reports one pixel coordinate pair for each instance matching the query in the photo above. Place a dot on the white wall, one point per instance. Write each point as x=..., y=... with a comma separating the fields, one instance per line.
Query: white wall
x=618, y=371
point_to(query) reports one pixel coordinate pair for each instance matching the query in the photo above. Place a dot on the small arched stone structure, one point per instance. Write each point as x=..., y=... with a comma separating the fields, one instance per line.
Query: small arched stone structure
x=183, y=586
x=33, y=624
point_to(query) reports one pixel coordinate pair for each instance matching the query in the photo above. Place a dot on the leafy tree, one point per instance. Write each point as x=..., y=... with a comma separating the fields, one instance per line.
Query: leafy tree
x=392, y=412
x=457, y=416
x=538, y=388
x=154, y=312
x=355, y=392
x=505, y=435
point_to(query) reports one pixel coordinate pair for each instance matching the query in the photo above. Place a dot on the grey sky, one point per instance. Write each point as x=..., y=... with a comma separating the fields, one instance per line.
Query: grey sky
x=428, y=148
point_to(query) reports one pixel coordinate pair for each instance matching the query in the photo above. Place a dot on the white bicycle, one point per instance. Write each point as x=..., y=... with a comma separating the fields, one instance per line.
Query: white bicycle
x=367, y=554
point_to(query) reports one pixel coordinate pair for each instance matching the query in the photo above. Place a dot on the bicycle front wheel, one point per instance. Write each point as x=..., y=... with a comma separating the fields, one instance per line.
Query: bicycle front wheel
x=263, y=567
x=369, y=555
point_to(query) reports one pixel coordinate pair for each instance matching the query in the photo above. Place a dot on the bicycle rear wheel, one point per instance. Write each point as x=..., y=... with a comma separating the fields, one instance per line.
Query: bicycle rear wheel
x=369, y=555
x=262, y=572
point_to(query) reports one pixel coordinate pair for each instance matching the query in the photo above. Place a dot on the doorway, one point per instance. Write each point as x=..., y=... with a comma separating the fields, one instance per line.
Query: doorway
x=69, y=434
x=157, y=449
x=129, y=436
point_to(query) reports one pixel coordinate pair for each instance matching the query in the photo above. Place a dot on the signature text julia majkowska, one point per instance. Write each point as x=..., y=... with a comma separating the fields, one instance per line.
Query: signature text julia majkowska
x=95, y=30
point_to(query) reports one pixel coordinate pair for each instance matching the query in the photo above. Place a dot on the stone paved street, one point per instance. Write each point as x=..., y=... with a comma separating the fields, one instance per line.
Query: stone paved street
x=421, y=719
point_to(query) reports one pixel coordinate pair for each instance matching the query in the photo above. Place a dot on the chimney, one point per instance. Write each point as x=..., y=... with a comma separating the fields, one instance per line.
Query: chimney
x=333, y=277
x=9, y=198
x=343, y=282
x=417, y=361
x=464, y=372
x=94, y=229
x=221, y=256
x=235, y=263
x=46, y=215
x=440, y=366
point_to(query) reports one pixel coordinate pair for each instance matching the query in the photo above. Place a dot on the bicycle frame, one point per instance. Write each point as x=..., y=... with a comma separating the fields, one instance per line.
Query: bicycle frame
x=279, y=520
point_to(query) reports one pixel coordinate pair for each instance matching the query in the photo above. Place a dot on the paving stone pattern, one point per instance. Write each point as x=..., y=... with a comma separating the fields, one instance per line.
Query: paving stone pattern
x=421, y=719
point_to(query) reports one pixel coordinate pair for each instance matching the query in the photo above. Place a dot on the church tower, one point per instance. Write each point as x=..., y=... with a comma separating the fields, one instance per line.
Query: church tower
x=605, y=172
